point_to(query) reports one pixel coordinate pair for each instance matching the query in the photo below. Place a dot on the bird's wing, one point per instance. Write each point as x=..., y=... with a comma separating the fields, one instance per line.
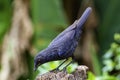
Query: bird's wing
x=64, y=32
x=63, y=38
x=64, y=43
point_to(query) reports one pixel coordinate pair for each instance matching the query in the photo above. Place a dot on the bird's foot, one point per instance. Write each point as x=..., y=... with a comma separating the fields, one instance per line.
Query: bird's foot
x=64, y=69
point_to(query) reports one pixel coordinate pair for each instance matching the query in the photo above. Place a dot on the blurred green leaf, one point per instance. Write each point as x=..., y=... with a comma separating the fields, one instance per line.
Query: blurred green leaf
x=108, y=54
x=54, y=64
x=117, y=37
x=48, y=66
x=117, y=59
x=91, y=76
x=72, y=67
x=109, y=65
x=112, y=59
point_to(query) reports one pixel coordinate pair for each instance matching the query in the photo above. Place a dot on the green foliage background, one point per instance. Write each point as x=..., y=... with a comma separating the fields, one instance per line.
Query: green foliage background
x=49, y=19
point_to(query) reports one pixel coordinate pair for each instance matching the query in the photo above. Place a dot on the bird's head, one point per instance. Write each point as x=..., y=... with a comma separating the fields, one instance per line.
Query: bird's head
x=39, y=59
x=37, y=62
x=44, y=56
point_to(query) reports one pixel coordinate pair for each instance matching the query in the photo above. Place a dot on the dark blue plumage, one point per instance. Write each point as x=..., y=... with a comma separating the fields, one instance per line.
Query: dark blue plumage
x=63, y=46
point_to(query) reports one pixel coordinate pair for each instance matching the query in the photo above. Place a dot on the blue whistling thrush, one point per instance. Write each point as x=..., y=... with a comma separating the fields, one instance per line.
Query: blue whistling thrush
x=64, y=45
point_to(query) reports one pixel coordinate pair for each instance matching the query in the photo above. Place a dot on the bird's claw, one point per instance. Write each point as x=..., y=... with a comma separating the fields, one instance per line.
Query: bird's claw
x=64, y=69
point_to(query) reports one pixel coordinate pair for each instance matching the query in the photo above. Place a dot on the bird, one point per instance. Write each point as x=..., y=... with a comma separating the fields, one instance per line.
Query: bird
x=64, y=45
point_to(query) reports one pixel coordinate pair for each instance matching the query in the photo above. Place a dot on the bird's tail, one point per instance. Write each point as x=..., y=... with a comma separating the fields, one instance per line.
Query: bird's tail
x=79, y=23
x=83, y=18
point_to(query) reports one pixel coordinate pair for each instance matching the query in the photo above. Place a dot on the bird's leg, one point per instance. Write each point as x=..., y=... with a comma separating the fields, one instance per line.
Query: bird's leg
x=61, y=64
x=64, y=69
x=56, y=69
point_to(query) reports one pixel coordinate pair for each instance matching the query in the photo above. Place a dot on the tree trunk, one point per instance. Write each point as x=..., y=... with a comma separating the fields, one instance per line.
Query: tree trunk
x=15, y=43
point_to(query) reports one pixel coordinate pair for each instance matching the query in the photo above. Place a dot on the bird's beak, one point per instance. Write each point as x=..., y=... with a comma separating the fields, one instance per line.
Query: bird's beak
x=35, y=67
